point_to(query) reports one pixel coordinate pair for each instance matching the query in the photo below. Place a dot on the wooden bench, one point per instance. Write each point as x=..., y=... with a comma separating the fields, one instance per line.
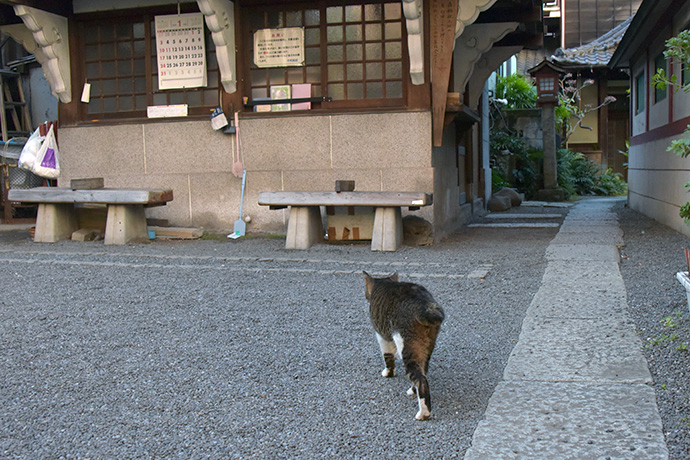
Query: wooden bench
x=57, y=216
x=305, y=227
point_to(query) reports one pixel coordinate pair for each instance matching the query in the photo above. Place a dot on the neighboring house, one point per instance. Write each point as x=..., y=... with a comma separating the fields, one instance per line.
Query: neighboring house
x=603, y=132
x=586, y=20
x=656, y=177
x=396, y=85
x=573, y=23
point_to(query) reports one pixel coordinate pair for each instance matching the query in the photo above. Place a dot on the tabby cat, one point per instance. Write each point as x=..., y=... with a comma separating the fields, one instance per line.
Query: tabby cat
x=407, y=320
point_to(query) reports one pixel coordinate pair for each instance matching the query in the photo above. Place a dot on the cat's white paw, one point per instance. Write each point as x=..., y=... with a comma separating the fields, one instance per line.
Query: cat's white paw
x=423, y=415
x=388, y=373
x=411, y=392
x=424, y=412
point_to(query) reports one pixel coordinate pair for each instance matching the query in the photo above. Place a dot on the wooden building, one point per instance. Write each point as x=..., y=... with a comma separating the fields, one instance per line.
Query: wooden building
x=603, y=132
x=656, y=177
x=387, y=93
x=586, y=20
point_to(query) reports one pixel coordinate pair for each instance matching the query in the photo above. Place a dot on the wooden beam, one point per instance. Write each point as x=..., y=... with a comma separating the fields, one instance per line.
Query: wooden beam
x=443, y=18
x=59, y=8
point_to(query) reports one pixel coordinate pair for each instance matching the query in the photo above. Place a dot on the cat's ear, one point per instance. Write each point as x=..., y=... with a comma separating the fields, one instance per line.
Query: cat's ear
x=394, y=277
x=368, y=284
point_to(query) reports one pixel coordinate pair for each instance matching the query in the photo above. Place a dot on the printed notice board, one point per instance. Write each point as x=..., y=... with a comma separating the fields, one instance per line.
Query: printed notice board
x=279, y=47
x=181, y=51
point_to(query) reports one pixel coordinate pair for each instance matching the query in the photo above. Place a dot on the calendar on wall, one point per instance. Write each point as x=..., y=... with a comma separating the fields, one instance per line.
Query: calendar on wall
x=181, y=51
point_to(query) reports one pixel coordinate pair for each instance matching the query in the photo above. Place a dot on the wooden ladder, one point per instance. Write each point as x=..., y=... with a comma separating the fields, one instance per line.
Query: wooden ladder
x=15, y=121
x=14, y=116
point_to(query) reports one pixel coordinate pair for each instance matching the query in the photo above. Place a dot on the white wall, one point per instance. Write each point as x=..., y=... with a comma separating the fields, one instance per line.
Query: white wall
x=656, y=180
x=656, y=177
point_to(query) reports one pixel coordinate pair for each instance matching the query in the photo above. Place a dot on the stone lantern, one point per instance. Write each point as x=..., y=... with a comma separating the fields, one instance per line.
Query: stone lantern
x=547, y=76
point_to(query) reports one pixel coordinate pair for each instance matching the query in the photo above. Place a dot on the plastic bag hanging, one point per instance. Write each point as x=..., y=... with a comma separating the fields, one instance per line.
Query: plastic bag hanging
x=47, y=160
x=27, y=158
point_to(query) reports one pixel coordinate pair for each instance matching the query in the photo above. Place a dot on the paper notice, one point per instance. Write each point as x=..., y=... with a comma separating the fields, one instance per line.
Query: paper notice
x=86, y=93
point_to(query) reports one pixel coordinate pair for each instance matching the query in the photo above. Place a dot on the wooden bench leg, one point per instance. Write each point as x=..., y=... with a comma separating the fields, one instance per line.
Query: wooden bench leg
x=55, y=222
x=304, y=227
x=126, y=223
x=388, y=229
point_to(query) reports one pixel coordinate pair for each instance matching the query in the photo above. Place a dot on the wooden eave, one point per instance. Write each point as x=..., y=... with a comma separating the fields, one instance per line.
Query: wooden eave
x=642, y=27
x=7, y=16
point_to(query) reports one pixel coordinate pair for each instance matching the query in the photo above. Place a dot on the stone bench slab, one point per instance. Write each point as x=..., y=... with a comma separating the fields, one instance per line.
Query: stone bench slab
x=57, y=218
x=155, y=197
x=305, y=227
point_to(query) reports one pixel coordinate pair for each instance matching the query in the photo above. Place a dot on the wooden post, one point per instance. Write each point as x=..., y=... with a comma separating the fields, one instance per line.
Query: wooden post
x=443, y=15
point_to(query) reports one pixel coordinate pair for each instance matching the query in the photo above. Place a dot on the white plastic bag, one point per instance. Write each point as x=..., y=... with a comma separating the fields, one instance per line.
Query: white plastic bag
x=27, y=158
x=47, y=163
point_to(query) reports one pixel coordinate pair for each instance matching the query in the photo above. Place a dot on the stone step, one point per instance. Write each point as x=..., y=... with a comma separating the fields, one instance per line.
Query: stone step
x=513, y=215
x=515, y=225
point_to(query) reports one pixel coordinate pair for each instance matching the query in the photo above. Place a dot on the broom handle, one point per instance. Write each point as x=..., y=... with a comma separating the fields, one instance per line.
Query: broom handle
x=237, y=135
x=244, y=176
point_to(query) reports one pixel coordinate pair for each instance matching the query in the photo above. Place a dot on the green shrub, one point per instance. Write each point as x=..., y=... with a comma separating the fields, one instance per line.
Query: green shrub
x=579, y=175
x=611, y=183
x=518, y=90
x=498, y=181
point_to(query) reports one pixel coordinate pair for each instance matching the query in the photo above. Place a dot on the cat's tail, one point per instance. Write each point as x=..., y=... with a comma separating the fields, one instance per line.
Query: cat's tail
x=432, y=315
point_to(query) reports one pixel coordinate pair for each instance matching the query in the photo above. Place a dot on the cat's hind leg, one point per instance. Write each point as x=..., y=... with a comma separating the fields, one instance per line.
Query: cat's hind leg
x=388, y=350
x=420, y=385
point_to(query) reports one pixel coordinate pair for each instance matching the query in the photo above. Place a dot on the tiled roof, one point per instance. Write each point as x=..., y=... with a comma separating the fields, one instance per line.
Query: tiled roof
x=596, y=53
x=526, y=59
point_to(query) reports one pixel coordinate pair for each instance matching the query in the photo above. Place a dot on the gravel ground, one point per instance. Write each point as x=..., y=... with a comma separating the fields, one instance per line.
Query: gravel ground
x=658, y=306
x=240, y=349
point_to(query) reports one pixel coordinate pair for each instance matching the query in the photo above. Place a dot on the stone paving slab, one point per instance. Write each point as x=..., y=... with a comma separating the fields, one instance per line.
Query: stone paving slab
x=575, y=385
x=586, y=238
x=582, y=252
x=582, y=303
x=546, y=204
x=602, y=219
x=566, y=349
x=569, y=421
x=600, y=230
x=570, y=277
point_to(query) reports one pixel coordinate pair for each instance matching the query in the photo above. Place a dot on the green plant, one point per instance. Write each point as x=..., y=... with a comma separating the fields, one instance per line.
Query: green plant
x=669, y=321
x=514, y=163
x=577, y=174
x=518, y=91
x=498, y=181
x=626, y=152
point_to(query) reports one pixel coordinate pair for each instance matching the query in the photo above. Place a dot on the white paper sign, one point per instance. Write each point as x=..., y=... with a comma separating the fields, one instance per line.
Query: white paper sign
x=166, y=111
x=279, y=47
x=86, y=93
x=181, y=51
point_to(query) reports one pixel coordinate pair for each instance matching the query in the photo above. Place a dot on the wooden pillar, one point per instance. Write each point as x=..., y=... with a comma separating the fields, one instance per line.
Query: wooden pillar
x=443, y=18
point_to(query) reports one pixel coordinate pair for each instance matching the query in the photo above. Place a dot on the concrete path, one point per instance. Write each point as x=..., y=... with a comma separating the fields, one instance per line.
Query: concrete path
x=575, y=386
